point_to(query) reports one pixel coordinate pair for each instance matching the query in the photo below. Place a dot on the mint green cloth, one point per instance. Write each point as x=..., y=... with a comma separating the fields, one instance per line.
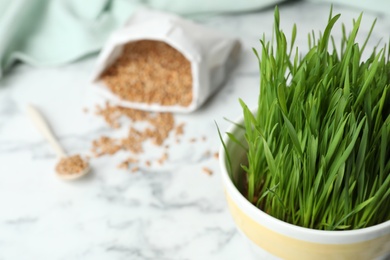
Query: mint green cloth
x=54, y=32
x=378, y=6
x=45, y=32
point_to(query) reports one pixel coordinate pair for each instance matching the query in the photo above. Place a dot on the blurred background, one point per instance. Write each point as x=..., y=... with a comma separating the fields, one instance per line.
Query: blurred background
x=165, y=201
x=54, y=32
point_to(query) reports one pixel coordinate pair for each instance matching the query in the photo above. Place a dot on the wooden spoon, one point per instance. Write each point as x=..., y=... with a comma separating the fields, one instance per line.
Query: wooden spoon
x=45, y=130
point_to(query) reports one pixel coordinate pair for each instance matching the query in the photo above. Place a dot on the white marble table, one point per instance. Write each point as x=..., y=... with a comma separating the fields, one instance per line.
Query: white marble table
x=174, y=211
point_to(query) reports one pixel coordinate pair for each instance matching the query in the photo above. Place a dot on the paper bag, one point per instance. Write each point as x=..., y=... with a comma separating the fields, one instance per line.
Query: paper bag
x=210, y=53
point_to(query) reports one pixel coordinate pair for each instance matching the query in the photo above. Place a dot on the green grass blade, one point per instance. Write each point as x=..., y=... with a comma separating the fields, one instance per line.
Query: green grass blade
x=293, y=135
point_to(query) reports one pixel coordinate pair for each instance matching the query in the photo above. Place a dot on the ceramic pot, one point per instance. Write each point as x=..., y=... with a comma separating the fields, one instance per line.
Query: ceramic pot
x=271, y=238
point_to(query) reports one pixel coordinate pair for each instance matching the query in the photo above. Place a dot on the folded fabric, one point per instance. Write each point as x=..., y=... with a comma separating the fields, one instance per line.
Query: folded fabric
x=379, y=6
x=54, y=32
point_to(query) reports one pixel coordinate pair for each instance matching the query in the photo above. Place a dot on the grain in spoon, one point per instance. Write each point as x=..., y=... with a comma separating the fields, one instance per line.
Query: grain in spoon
x=68, y=167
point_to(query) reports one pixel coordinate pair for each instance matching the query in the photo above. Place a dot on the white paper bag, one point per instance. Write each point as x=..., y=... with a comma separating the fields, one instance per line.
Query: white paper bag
x=211, y=54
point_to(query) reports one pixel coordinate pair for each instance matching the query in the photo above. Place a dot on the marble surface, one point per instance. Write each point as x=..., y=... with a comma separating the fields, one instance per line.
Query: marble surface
x=174, y=211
